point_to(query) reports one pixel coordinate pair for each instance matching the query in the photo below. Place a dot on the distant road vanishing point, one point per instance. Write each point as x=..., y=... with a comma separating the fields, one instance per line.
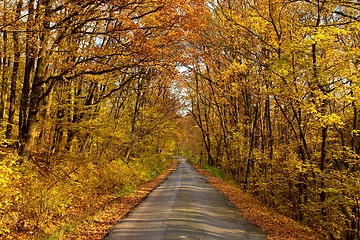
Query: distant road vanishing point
x=185, y=206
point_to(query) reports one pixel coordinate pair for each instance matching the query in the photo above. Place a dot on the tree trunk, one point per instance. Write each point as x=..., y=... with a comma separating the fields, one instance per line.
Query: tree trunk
x=252, y=145
x=36, y=89
x=14, y=78
x=4, y=75
x=322, y=169
x=29, y=65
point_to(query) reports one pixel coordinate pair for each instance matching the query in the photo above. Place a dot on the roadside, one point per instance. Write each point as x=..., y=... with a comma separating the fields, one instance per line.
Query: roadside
x=96, y=227
x=277, y=226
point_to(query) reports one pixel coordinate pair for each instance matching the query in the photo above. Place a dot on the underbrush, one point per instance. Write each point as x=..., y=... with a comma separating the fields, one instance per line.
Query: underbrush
x=216, y=172
x=45, y=199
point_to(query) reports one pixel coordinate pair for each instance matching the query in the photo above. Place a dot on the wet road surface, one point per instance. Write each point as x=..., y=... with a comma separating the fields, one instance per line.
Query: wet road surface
x=185, y=206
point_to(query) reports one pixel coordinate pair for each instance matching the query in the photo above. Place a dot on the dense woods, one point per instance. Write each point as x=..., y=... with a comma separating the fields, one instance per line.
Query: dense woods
x=88, y=103
x=274, y=92
x=95, y=95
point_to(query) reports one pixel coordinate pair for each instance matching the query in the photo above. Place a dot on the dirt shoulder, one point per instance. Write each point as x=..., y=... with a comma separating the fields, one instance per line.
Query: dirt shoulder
x=277, y=226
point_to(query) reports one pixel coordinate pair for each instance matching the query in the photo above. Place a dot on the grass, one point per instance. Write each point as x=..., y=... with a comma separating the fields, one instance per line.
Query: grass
x=56, y=235
x=216, y=172
x=127, y=189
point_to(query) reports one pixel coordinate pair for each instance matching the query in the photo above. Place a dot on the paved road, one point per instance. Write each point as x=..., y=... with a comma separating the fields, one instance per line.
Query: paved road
x=185, y=207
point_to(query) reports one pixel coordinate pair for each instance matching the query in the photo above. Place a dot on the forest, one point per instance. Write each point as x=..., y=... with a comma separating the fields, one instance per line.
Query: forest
x=96, y=95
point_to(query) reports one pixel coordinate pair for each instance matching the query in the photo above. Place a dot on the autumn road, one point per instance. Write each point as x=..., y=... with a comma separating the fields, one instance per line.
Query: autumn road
x=185, y=206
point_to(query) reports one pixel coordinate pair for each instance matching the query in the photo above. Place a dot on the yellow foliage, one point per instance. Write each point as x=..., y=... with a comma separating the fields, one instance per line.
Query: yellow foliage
x=9, y=194
x=331, y=119
x=32, y=199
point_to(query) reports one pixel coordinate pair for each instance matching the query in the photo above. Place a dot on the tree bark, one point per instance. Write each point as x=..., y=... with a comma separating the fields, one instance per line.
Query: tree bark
x=29, y=65
x=36, y=89
x=4, y=74
x=14, y=78
x=252, y=145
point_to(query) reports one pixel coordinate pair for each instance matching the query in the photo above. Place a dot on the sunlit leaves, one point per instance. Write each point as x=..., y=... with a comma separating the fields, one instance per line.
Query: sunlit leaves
x=276, y=90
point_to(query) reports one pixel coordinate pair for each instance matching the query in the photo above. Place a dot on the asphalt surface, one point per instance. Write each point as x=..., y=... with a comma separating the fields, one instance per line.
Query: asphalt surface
x=185, y=206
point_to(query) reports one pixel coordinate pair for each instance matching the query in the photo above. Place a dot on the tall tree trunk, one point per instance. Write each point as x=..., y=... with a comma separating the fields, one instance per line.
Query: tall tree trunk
x=5, y=71
x=36, y=89
x=29, y=65
x=269, y=123
x=251, y=148
x=322, y=169
x=14, y=78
